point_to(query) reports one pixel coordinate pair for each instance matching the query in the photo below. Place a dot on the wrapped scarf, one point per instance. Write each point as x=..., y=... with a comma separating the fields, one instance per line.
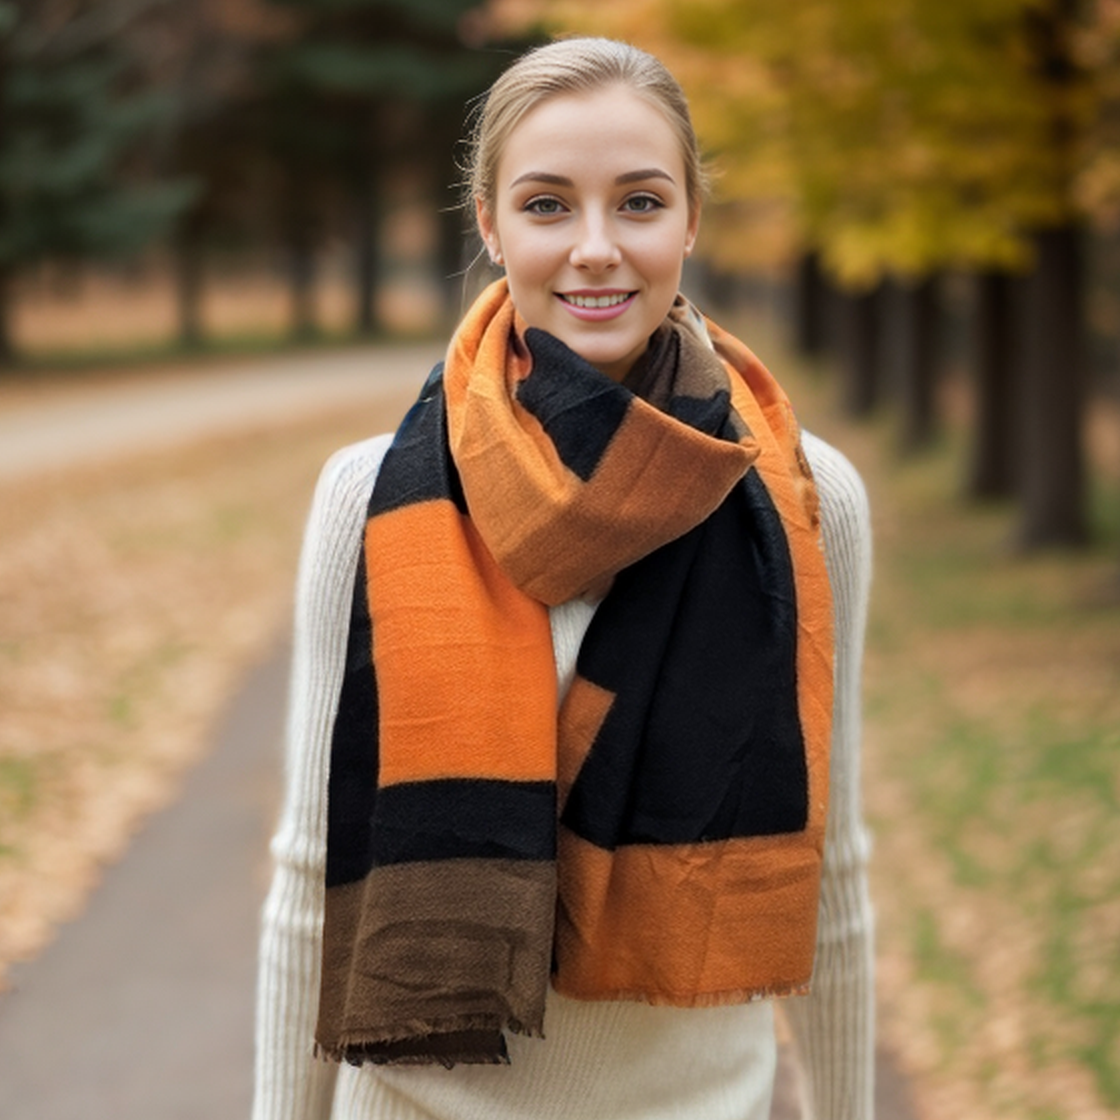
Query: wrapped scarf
x=660, y=837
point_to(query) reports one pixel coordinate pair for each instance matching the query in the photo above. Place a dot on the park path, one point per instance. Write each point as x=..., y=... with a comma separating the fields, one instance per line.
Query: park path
x=142, y=1008
x=70, y=424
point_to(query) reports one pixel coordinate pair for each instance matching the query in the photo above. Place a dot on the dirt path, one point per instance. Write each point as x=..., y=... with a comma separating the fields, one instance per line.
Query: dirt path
x=62, y=424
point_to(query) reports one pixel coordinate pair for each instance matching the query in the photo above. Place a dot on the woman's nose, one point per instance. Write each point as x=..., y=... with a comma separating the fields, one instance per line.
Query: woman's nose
x=595, y=247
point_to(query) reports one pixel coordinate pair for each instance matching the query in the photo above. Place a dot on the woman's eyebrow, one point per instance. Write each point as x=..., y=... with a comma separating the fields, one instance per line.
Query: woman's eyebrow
x=563, y=181
x=644, y=173
x=543, y=177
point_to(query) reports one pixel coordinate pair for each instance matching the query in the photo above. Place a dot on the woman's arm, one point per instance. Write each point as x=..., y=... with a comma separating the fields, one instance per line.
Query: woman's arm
x=291, y=1084
x=834, y=1027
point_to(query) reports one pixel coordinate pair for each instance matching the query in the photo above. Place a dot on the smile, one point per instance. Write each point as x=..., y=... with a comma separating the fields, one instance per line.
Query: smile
x=597, y=309
x=593, y=302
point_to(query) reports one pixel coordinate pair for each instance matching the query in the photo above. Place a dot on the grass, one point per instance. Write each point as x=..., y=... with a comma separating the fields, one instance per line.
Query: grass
x=992, y=763
x=21, y=788
x=17, y=786
x=1013, y=779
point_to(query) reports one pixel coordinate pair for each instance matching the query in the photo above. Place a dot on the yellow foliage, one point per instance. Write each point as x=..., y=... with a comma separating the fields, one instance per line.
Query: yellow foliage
x=901, y=137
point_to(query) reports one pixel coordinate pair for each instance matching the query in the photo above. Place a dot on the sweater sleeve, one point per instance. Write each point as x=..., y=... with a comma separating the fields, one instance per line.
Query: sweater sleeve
x=290, y=1083
x=834, y=1027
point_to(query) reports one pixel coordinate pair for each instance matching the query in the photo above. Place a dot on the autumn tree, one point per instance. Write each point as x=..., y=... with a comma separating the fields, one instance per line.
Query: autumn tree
x=914, y=139
x=1053, y=390
x=897, y=141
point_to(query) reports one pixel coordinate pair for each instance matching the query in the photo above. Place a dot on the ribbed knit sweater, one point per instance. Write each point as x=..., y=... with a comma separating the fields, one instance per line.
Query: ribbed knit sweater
x=598, y=1061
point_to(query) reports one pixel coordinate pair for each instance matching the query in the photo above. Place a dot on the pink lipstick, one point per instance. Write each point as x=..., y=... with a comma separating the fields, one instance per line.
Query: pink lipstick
x=597, y=305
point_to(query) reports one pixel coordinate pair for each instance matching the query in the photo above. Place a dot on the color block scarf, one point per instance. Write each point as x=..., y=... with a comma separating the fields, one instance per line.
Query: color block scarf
x=660, y=838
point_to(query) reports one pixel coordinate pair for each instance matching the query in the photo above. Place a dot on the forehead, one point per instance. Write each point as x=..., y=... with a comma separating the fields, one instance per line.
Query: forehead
x=599, y=131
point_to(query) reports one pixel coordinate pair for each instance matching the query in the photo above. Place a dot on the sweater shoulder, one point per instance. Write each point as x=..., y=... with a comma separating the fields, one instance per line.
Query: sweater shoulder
x=345, y=484
x=353, y=467
x=845, y=511
x=338, y=512
x=838, y=482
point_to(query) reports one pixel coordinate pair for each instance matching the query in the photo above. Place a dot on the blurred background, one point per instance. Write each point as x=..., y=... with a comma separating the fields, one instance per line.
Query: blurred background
x=915, y=223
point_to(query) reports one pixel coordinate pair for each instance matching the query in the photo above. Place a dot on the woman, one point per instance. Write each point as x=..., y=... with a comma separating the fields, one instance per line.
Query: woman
x=562, y=757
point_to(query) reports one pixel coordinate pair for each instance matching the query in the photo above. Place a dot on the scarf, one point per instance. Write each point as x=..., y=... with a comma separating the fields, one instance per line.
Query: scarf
x=658, y=837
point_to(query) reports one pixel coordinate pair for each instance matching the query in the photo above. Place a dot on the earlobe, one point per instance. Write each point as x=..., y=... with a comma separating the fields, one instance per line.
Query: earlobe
x=690, y=236
x=489, y=233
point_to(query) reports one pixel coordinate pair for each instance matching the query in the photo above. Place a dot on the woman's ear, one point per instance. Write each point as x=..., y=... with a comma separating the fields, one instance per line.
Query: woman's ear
x=692, y=231
x=488, y=230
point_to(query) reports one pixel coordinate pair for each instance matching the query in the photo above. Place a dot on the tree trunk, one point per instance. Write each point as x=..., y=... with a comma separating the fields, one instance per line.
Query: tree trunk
x=7, y=345
x=859, y=351
x=301, y=277
x=189, y=278
x=918, y=363
x=457, y=243
x=714, y=290
x=454, y=253
x=809, y=307
x=993, y=463
x=1052, y=471
x=299, y=240
x=367, y=231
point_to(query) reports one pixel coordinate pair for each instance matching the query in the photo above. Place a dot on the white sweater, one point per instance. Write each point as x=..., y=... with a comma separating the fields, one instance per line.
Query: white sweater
x=599, y=1061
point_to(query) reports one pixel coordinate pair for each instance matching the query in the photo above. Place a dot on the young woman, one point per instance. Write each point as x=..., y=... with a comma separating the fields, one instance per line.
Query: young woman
x=576, y=684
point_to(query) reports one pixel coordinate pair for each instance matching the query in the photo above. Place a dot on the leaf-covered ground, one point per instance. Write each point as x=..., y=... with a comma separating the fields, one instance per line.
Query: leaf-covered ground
x=992, y=783
x=133, y=597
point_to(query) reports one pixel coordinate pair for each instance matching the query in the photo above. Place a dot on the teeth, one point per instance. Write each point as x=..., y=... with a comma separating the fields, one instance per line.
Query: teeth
x=598, y=301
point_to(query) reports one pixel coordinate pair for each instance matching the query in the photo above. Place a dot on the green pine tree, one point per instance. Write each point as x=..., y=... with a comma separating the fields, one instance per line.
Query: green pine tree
x=72, y=126
x=359, y=89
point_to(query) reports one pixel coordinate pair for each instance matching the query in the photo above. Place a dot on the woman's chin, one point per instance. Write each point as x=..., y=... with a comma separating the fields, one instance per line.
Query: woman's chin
x=615, y=361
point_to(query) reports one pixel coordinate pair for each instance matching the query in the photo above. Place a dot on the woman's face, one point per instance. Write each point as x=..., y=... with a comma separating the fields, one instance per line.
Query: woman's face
x=592, y=222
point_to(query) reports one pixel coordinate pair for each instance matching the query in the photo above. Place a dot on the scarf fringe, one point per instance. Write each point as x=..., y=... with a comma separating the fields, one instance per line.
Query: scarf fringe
x=699, y=999
x=358, y=1055
x=358, y=1047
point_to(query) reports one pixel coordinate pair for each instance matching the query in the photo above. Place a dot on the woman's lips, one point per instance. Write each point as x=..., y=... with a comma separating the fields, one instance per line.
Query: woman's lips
x=596, y=306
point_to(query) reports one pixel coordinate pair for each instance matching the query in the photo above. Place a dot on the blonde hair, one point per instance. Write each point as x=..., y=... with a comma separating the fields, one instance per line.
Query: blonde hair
x=578, y=65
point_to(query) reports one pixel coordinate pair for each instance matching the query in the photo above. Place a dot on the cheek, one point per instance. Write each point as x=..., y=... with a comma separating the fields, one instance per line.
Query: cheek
x=661, y=258
x=662, y=264
x=531, y=259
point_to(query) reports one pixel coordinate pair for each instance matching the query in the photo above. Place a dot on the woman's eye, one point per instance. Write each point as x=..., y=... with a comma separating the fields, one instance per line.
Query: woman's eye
x=544, y=206
x=642, y=204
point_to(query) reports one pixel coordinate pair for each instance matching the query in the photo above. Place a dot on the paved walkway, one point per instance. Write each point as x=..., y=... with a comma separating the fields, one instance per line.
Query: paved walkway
x=142, y=1008
x=81, y=422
